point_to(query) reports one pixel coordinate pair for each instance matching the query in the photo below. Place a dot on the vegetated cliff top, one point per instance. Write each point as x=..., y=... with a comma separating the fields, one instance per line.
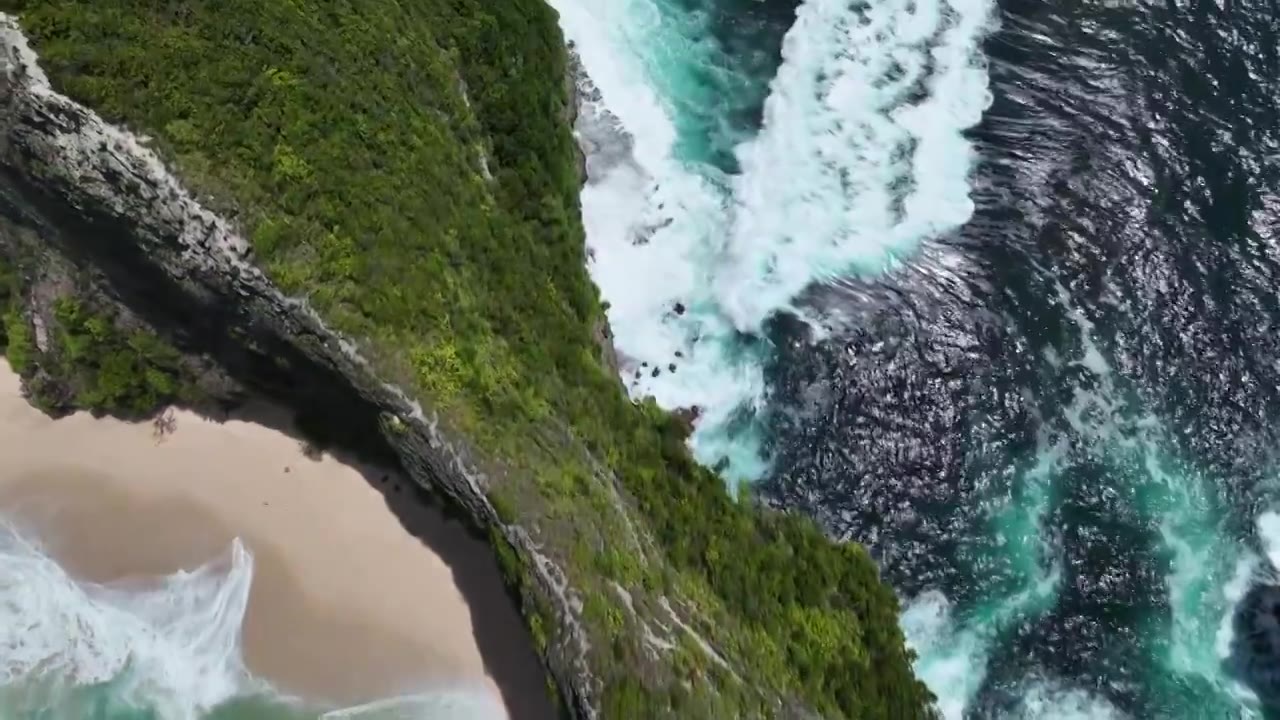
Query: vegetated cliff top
x=409, y=168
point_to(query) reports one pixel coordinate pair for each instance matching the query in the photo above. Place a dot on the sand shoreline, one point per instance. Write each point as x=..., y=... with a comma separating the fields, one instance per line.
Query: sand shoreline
x=346, y=605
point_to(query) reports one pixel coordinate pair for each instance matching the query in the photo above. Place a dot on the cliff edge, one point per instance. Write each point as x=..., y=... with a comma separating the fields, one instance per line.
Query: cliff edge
x=383, y=235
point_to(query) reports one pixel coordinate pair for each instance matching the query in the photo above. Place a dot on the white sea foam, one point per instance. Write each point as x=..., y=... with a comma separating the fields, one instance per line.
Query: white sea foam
x=861, y=157
x=1248, y=570
x=951, y=661
x=953, y=652
x=171, y=644
x=1268, y=525
x=174, y=643
x=450, y=704
x=1046, y=700
x=652, y=224
x=1208, y=573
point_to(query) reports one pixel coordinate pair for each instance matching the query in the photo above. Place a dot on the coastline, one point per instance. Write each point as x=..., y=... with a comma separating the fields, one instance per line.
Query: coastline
x=349, y=603
x=593, y=543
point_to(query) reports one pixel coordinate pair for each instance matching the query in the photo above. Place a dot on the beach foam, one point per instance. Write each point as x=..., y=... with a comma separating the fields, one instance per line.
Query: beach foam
x=173, y=644
x=218, y=560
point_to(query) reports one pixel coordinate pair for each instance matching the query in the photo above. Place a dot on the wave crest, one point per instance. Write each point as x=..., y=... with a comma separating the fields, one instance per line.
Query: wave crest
x=861, y=157
x=172, y=644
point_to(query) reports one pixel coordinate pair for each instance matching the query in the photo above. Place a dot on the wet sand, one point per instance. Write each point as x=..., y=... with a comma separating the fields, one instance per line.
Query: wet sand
x=346, y=605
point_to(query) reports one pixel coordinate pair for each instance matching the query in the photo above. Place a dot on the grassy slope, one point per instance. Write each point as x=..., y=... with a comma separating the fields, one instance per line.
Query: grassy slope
x=407, y=167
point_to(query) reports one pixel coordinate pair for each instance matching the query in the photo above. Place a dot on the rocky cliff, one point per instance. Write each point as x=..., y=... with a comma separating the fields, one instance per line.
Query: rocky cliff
x=77, y=190
x=423, y=194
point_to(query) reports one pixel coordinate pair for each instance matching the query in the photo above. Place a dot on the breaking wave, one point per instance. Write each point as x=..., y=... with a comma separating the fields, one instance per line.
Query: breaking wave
x=701, y=232
x=990, y=289
x=165, y=647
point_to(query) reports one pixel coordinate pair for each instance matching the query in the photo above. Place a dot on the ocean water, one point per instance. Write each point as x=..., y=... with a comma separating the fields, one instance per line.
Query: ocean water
x=746, y=151
x=165, y=648
x=988, y=285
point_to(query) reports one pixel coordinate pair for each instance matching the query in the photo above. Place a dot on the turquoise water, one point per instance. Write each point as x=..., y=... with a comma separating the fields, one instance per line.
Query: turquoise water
x=106, y=701
x=744, y=151
x=989, y=286
x=167, y=648
x=1023, y=258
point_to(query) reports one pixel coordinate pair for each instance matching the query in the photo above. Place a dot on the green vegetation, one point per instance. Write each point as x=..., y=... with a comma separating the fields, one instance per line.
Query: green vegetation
x=408, y=168
x=16, y=339
x=91, y=364
x=19, y=341
x=121, y=373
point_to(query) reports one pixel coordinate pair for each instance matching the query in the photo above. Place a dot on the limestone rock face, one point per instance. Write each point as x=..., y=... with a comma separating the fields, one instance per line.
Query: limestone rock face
x=98, y=196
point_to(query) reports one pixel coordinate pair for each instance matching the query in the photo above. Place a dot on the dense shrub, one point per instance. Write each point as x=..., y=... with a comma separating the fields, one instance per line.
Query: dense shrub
x=125, y=373
x=91, y=363
x=407, y=166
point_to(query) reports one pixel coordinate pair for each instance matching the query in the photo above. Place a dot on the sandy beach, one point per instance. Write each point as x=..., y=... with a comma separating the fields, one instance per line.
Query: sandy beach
x=346, y=605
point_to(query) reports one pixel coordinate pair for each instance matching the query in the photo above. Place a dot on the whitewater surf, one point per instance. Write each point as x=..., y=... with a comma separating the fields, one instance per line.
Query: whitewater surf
x=701, y=231
x=989, y=287
x=165, y=647
x=217, y=570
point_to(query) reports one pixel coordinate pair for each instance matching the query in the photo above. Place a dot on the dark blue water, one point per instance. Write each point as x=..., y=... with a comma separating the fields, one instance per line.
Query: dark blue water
x=1112, y=326
x=1052, y=420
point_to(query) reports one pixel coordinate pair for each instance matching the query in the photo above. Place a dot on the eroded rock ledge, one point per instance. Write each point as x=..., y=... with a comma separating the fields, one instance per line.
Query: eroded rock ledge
x=104, y=200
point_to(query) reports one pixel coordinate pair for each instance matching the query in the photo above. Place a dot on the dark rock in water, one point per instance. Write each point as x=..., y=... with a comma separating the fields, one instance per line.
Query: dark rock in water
x=671, y=367
x=1255, y=647
x=656, y=372
x=688, y=416
x=679, y=308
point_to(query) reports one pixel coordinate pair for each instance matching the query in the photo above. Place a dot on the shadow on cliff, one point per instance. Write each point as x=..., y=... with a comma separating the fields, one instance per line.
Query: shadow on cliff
x=500, y=633
x=290, y=392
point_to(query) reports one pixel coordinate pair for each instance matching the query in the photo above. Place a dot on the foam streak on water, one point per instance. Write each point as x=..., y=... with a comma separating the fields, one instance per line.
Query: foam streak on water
x=859, y=159
x=457, y=704
x=1120, y=309
x=1207, y=573
x=167, y=647
x=1044, y=700
x=861, y=155
x=172, y=645
x=952, y=650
